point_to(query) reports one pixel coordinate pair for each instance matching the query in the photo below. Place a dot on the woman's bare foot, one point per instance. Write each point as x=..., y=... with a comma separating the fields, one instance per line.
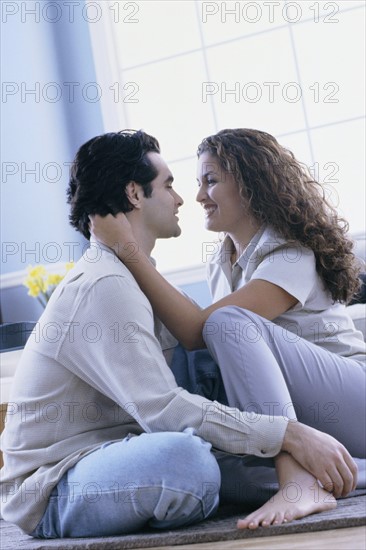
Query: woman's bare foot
x=299, y=495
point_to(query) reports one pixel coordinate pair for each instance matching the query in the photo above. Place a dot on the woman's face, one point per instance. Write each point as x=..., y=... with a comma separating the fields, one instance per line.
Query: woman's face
x=219, y=196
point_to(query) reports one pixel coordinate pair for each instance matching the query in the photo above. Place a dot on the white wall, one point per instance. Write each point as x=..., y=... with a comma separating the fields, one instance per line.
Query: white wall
x=42, y=125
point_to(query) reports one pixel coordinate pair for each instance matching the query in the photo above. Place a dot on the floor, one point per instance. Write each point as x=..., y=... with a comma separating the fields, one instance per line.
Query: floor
x=353, y=538
x=343, y=528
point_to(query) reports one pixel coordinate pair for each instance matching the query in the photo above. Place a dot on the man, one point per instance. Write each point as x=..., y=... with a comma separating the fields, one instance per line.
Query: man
x=99, y=438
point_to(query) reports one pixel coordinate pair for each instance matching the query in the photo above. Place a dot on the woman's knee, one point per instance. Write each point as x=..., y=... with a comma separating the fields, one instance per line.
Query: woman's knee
x=231, y=322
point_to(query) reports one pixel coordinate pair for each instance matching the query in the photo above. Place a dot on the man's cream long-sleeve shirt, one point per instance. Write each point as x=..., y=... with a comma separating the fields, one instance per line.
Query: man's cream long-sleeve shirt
x=94, y=371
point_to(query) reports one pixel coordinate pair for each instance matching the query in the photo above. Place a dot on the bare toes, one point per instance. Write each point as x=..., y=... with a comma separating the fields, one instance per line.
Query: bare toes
x=246, y=524
x=268, y=520
x=253, y=525
x=278, y=518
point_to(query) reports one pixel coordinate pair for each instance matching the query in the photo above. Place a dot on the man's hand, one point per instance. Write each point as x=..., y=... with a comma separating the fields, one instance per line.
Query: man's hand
x=323, y=456
x=116, y=233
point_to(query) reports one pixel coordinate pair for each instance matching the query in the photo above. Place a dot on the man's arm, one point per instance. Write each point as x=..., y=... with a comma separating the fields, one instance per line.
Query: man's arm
x=183, y=318
x=127, y=365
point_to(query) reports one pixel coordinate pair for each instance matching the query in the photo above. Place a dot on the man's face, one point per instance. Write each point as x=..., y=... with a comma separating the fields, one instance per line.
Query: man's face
x=161, y=209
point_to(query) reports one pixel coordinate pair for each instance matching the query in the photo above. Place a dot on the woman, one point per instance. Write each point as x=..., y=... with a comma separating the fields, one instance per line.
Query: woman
x=279, y=280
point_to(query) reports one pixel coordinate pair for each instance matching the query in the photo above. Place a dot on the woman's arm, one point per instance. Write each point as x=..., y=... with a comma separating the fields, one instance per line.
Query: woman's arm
x=183, y=318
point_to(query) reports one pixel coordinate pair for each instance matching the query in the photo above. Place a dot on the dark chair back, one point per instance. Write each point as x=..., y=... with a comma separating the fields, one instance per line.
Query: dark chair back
x=15, y=335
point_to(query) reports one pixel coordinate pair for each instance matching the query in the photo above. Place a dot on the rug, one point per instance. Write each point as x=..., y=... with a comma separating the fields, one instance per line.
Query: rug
x=350, y=512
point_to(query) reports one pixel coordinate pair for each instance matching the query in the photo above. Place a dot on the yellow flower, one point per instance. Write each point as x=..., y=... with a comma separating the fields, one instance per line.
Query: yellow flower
x=41, y=284
x=34, y=289
x=28, y=282
x=53, y=279
x=37, y=271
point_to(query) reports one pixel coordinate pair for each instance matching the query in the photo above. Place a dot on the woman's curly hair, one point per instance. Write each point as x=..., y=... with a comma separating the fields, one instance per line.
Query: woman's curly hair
x=102, y=169
x=281, y=192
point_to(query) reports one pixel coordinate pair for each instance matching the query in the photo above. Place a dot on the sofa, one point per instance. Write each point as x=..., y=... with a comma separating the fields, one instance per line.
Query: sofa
x=358, y=310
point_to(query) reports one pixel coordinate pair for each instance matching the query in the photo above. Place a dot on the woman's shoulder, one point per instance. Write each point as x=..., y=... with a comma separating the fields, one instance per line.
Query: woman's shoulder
x=272, y=236
x=274, y=247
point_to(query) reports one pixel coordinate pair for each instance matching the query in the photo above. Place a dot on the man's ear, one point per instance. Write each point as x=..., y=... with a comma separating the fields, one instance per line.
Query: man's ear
x=134, y=193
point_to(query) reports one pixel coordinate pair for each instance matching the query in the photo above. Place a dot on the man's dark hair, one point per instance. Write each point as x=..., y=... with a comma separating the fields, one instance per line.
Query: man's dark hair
x=102, y=169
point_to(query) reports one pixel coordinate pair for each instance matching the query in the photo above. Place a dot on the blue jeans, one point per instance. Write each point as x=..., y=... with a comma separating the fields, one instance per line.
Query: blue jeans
x=196, y=372
x=167, y=480
x=160, y=480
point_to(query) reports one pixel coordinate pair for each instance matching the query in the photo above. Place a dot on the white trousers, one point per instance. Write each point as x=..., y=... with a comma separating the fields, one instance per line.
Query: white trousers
x=264, y=371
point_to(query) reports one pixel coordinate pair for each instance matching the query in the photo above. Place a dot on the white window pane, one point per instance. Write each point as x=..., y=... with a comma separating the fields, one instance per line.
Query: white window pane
x=162, y=29
x=332, y=67
x=253, y=83
x=222, y=21
x=299, y=145
x=350, y=4
x=169, y=104
x=340, y=152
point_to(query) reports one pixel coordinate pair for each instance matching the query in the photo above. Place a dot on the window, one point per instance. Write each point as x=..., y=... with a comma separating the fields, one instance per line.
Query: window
x=182, y=70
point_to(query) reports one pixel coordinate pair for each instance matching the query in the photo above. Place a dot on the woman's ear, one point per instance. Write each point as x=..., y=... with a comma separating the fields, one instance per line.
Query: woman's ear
x=134, y=193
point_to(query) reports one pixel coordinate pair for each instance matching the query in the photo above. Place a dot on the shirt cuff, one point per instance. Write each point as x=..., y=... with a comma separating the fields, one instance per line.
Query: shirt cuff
x=270, y=432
